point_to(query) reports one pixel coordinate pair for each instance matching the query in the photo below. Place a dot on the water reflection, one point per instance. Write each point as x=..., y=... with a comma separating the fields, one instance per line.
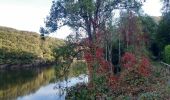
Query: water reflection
x=37, y=84
x=17, y=83
x=49, y=93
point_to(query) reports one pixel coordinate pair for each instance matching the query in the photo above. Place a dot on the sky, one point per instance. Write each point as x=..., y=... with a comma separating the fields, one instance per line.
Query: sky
x=29, y=15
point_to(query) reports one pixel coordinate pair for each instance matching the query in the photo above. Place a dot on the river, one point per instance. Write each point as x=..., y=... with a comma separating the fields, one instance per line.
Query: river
x=36, y=84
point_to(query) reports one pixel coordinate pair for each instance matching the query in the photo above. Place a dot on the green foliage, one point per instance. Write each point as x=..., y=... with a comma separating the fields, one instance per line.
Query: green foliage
x=64, y=52
x=168, y=88
x=78, y=67
x=123, y=97
x=20, y=47
x=167, y=54
x=149, y=96
x=149, y=26
x=164, y=32
x=79, y=92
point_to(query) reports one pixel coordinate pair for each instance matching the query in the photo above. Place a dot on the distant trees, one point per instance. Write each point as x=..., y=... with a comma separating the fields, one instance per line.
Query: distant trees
x=149, y=28
x=24, y=47
x=163, y=31
x=163, y=35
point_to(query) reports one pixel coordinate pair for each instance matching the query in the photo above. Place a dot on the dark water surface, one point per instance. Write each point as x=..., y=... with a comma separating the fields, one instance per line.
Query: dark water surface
x=35, y=84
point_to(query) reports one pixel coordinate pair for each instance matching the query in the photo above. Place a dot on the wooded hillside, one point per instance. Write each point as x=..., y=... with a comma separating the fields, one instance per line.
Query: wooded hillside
x=22, y=47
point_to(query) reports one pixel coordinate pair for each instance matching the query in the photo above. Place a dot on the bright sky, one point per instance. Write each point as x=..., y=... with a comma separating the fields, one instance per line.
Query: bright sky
x=29, y=14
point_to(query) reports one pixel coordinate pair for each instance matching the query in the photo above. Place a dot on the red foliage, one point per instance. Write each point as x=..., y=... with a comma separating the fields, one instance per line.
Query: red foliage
x=144, y=67
x=128, y=60
x=104, y=66
x=98, y=57
x=94, y=56
x=88, y=57
x=113, y=81
x=99, y=53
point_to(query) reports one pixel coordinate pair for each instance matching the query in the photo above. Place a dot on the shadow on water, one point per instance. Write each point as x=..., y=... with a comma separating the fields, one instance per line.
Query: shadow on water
x=36, y=84
x=18, y=83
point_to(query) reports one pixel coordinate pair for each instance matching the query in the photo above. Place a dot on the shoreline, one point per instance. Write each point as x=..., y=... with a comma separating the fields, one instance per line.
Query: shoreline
x=25, y=66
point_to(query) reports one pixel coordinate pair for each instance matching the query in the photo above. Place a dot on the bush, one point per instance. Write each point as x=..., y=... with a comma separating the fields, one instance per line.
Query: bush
x=133, y=78
x=167, y=54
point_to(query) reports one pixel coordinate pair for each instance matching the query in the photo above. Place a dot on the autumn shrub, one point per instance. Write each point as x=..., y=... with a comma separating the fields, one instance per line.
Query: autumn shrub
x=167, y=54
x=135, y=75
x=132, y=78
x=138, y=65
x=136, y=69
x=97, y=65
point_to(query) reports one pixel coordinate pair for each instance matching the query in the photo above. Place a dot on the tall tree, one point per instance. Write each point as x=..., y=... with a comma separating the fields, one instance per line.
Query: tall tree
x=88, y=15
x=163, y=35
x=163, y=32
x=149, y=28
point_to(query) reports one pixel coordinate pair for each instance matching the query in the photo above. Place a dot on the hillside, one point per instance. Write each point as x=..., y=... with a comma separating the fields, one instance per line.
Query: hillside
x=22, y=47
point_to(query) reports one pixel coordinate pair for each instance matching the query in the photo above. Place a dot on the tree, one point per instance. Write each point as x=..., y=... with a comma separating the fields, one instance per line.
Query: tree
x=89, y=15
x=163, y=35
x=149, y=28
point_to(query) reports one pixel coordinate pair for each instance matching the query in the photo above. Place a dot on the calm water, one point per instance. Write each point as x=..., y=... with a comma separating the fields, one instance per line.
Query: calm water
x=37, y=84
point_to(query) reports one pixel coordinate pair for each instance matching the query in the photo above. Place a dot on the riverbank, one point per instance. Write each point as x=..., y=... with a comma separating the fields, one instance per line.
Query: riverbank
x=26, y=66
x=155, y=87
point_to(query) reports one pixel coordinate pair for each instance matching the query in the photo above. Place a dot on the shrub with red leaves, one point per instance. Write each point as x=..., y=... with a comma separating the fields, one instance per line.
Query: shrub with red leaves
x=144, y=67
x=128, y=60
x=88, y=57
x=113, y=80
x=99, y=53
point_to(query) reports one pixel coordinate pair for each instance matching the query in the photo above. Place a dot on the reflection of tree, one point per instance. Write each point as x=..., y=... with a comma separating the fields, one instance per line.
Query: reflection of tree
x=77, y=68
x=66, y=56
x=20, y=83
